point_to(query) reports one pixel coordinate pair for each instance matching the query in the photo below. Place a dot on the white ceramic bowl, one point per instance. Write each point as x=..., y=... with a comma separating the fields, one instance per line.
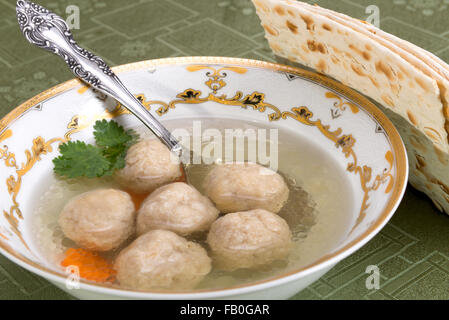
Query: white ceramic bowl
x=350, y=130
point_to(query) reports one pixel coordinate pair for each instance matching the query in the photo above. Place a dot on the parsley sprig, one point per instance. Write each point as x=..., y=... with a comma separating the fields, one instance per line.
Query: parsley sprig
x=79, y=159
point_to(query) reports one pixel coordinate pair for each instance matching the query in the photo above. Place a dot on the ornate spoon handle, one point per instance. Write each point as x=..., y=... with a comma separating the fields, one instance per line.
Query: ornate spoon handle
x=50, y=32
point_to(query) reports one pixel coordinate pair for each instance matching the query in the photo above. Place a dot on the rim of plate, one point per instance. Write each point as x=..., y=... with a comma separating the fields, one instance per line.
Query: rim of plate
x=400, y=156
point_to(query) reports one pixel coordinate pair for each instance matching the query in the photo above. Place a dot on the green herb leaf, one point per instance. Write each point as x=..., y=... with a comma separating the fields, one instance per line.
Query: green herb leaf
x=79, y=159
x=115, y=142
x=111, y=134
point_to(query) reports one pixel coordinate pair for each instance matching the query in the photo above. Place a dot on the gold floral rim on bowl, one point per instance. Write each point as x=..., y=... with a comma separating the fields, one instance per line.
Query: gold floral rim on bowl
x=398, y=157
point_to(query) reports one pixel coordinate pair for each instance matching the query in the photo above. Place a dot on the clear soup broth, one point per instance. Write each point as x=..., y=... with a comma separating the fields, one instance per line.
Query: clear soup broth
x=318, y=210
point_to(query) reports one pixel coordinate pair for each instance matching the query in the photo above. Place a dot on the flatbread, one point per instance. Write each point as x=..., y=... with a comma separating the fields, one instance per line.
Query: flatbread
x=429, y=163
x=425, y=61
x=299, y=35
x=433, y=61
x=408, y=82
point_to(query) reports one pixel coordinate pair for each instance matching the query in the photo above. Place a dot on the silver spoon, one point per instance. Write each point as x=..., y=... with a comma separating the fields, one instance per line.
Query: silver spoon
x=50, y=32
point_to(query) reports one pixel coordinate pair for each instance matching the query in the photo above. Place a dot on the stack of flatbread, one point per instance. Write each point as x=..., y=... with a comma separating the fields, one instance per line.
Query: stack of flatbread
x=411, y=83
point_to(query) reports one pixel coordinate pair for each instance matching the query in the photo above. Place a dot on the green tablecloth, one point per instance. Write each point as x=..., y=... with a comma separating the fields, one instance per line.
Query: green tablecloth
x=412, y=251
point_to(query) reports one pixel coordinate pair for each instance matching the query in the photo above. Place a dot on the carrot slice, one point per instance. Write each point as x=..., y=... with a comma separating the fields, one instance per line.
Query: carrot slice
x=91, y=266
x=183, y=177
x=137, y=198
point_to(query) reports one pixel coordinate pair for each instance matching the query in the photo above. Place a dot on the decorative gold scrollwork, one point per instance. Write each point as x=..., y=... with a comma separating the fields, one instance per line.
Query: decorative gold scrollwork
x=254, y=100
x=14, y=183
x=346, y=143
x=216, y=75
x=8, y=157
x=340, y=106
